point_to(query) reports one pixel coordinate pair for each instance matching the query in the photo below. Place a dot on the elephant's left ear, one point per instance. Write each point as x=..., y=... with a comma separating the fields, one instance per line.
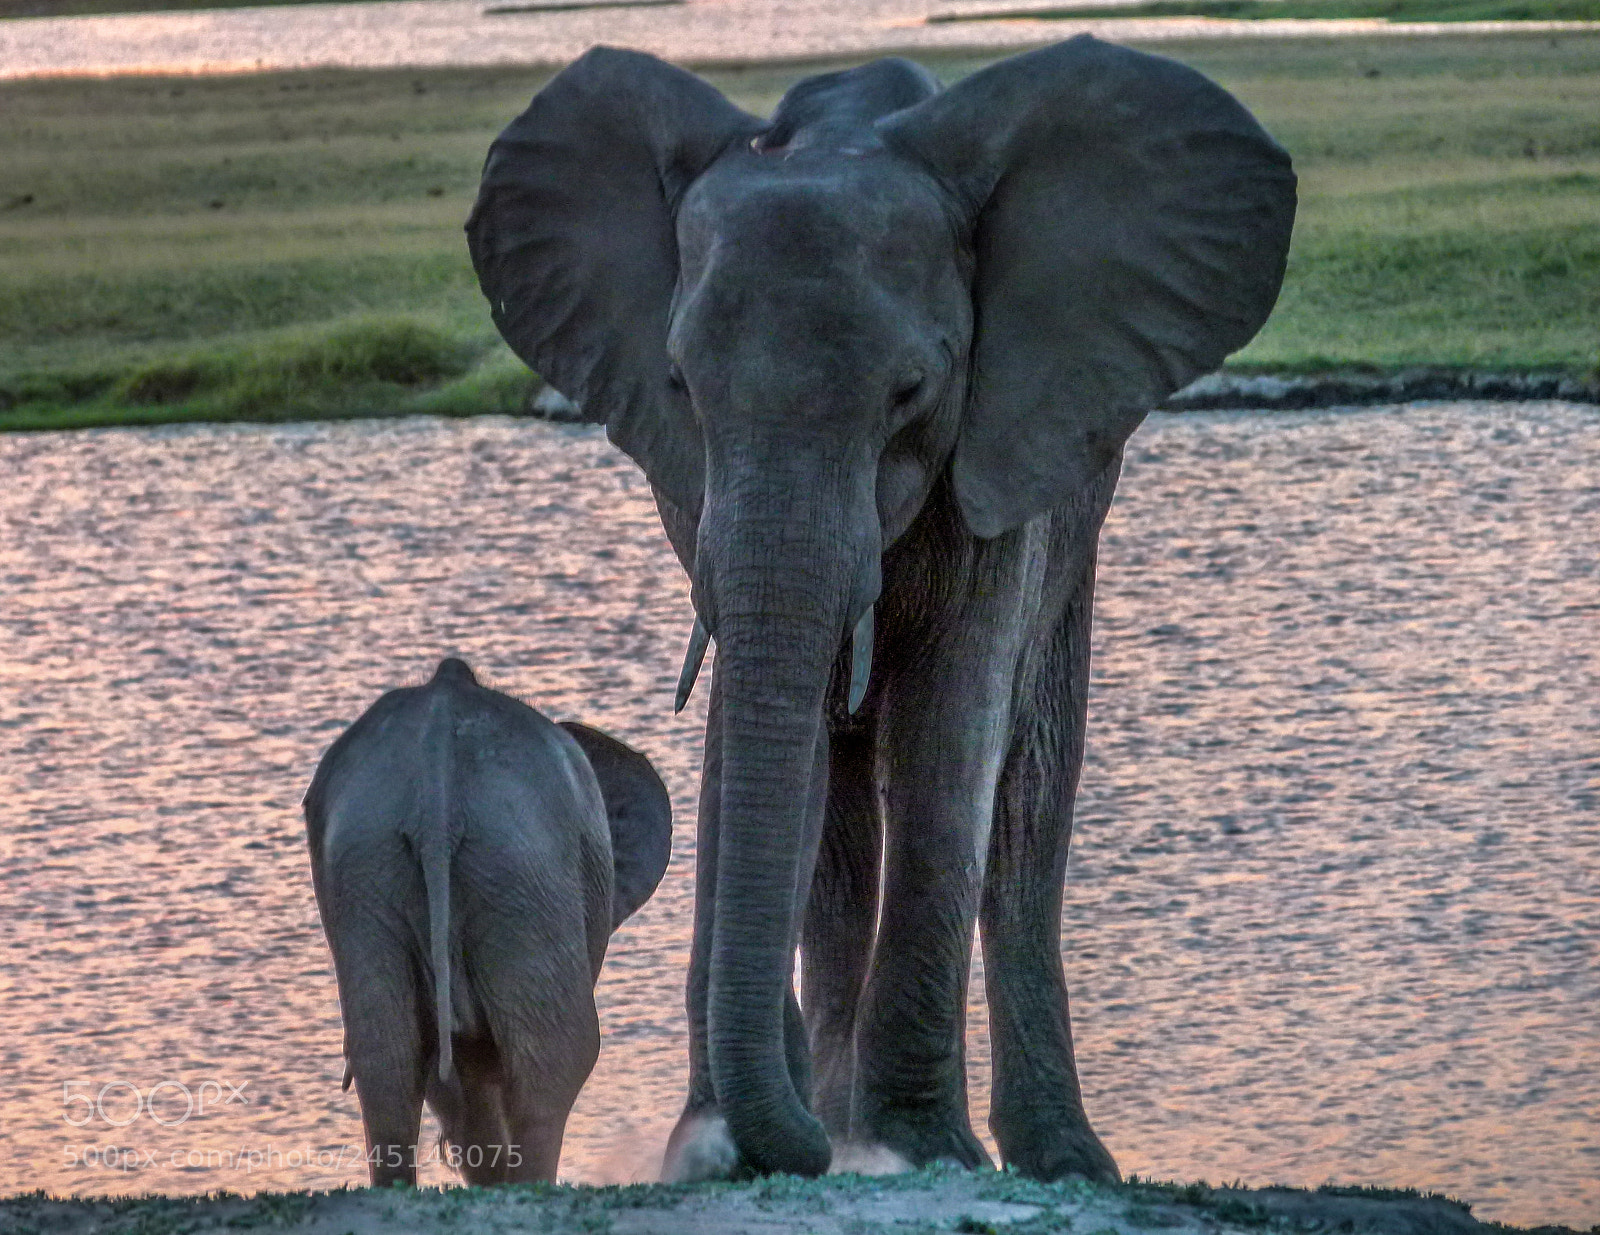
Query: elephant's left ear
x=1130, y=225
x=640, y=814
x=573, y=241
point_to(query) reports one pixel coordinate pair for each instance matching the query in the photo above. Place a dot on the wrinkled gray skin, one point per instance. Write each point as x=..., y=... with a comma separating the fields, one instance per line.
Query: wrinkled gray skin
x=883, y=349
x=471, y=860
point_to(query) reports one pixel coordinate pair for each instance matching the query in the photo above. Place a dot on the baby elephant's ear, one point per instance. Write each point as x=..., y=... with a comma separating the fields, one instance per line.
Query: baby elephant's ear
x=574, y=244
x=640, y=814
x=1129, y=223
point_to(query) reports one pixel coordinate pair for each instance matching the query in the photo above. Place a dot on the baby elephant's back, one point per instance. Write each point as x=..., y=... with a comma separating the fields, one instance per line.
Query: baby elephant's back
x=528, y=826
x=457, y=777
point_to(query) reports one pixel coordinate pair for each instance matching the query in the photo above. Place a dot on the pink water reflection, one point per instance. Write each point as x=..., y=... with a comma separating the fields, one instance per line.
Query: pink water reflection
x=1333, y=907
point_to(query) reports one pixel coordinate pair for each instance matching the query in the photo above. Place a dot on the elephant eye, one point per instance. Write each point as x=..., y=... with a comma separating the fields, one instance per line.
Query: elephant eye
x=906, y=392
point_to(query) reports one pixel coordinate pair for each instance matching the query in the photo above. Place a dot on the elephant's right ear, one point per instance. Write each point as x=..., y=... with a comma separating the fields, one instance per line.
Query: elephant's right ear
x=573, y=241
x=639, y=812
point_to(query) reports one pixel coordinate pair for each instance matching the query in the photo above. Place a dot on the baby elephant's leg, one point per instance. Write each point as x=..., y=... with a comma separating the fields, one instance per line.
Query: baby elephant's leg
x=543, y=1074
x=379, y=1000
x=537, y=1119
x=528, y=958
x=384, y=1046
x=391, y=1112
x=479, y=1143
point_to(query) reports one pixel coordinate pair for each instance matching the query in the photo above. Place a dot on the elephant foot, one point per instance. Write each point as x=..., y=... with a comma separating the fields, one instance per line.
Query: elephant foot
x=920, y=1138
x=860, y=1158
x=700, y=1148
x=1056, y=1147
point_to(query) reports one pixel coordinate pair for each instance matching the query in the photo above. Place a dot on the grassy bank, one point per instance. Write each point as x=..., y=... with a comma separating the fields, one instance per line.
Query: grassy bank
x=920, y=1203
x=289, y=245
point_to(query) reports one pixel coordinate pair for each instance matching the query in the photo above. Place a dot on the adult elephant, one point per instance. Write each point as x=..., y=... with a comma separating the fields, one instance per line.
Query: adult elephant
x=878, y=356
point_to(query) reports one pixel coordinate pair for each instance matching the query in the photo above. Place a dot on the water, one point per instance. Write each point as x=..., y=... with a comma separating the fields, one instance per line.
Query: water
x=415, y=33
x=1334, y=905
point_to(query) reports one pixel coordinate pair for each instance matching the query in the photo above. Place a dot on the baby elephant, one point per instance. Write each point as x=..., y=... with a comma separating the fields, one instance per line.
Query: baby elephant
x=471, y=860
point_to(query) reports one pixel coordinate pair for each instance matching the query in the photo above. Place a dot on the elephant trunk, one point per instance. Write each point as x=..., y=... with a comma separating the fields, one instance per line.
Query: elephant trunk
x=780, y=602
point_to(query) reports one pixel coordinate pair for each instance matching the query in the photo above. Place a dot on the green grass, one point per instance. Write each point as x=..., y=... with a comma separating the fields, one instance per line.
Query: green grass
x=290, y=245
x=1315, y=10
x=925, y=1201
x=1449, y=213
x=353, y=367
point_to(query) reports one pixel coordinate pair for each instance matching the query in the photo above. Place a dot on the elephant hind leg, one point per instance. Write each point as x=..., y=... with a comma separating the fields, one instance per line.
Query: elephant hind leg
x=384, y=1046
x=1036, y=1106
x=538, y=1093
x=539, y=1011
x=472, y=1115
x=391, y=1113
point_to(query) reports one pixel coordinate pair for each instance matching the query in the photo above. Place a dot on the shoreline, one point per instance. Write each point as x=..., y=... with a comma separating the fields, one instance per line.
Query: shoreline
x=928, y=1200
x=1291, y=392
x=1217, y=392
x=458, y=34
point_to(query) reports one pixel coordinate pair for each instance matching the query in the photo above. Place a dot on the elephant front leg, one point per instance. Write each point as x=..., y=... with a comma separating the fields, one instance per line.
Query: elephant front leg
x=841, y=917
x=1036, y=1107
x=944, y=729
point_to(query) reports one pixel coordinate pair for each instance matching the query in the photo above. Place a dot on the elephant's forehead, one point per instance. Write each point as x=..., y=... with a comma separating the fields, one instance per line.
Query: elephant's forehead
x=814, y=205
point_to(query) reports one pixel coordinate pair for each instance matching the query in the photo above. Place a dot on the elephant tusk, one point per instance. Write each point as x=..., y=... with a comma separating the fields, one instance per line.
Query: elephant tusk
x=860, y=659
x=349, y=1075
x=693, y=658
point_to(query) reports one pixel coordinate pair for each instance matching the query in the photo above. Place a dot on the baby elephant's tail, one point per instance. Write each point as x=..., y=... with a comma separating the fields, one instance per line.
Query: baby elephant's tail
x=437, y=768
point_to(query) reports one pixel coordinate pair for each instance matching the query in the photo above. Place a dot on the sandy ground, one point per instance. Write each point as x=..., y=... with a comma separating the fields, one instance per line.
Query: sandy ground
x=422, y=33
x=926, y=1201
